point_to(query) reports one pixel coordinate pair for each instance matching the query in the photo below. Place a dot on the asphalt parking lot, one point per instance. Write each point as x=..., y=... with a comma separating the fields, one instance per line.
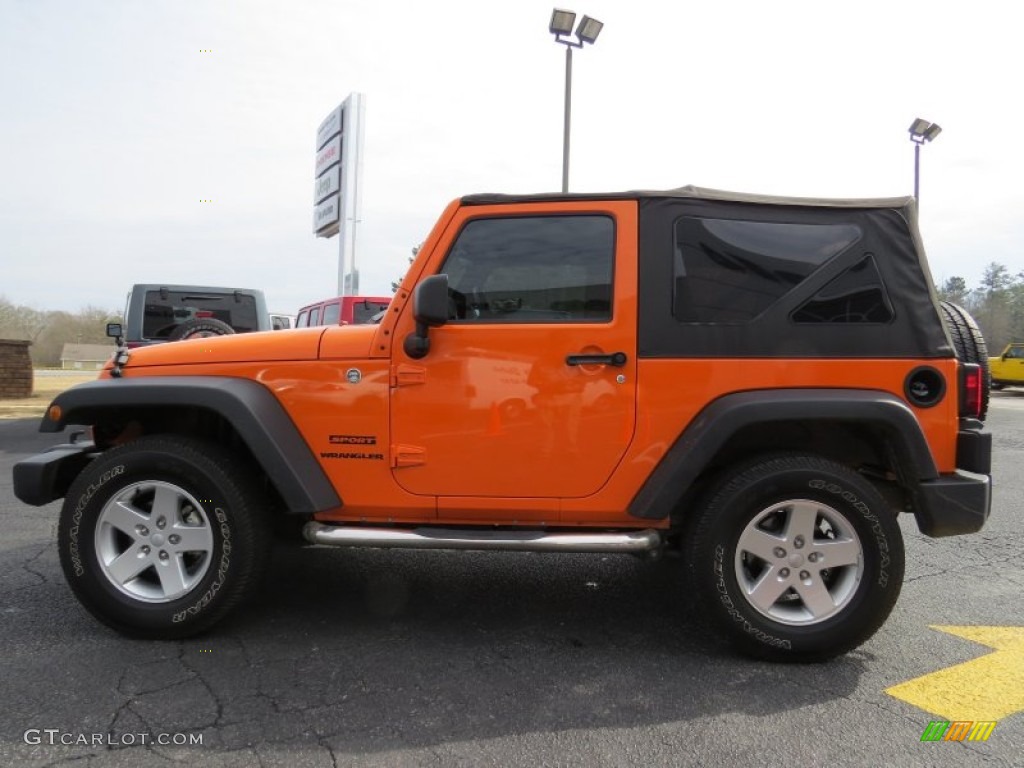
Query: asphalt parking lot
x=401, y=658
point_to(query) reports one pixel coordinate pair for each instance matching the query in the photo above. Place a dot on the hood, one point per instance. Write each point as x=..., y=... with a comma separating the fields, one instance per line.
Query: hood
x=264, y=346
x=347, y=341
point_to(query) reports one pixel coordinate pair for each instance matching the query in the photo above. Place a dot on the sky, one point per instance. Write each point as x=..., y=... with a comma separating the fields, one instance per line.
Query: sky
x=117, y=117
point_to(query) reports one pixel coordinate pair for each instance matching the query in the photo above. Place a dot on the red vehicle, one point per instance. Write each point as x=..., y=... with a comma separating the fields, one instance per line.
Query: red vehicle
x=342, y=310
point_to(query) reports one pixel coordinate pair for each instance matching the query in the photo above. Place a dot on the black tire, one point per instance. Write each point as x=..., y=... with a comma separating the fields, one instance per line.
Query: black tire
x=161, y=537
x=787, y=492
x=969, y=345
x=200, y=327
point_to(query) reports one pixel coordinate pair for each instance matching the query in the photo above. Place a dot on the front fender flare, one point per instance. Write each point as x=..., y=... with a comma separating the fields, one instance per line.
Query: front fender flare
x=251, y=409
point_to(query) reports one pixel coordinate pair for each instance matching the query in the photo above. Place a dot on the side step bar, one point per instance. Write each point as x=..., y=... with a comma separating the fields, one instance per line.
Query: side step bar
x=627, y=542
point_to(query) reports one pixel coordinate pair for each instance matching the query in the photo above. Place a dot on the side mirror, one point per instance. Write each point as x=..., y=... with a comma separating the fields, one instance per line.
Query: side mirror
x=430, y=309
x=430, y=301
x=116, y=332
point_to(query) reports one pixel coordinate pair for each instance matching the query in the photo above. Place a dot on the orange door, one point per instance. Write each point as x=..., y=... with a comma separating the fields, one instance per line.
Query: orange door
x=529, y=391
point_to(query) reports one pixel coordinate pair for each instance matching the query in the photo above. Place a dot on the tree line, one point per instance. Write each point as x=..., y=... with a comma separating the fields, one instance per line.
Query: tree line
x=997, y=304
x=50, y=330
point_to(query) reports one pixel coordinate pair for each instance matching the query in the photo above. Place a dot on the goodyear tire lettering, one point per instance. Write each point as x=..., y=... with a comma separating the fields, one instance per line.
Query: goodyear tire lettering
x=76, y=516
x=229, y=498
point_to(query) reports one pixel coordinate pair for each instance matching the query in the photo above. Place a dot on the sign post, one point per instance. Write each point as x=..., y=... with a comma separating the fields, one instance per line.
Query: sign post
x=338, y=166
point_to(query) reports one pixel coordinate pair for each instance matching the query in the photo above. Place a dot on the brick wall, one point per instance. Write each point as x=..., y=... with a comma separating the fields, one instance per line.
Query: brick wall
x=15, y=369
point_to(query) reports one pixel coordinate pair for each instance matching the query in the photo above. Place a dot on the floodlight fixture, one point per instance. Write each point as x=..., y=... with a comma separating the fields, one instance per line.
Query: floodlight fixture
x=921, y=132
x=586, y=33
x=588, y=30
x=561, y=22
x=918, y=127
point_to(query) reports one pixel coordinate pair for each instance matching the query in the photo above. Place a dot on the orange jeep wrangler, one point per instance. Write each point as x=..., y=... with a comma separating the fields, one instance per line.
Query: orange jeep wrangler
x=762, y=383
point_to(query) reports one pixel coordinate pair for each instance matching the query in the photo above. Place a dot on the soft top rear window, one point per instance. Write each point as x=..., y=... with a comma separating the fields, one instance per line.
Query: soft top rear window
x=165, y=310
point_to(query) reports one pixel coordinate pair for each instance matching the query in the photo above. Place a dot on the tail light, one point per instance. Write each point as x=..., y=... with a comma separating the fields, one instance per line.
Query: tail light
x=204, y=313
x=970, y=390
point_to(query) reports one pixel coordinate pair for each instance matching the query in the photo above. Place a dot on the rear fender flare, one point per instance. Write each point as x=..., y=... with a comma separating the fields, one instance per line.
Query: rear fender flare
x=717, y=423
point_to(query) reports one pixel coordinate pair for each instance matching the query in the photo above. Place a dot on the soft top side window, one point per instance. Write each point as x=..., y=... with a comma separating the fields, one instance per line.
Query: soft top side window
x=857, y=295
x=731, y=270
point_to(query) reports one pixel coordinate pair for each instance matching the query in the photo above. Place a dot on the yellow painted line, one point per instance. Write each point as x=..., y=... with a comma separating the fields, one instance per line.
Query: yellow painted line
x=988, y=688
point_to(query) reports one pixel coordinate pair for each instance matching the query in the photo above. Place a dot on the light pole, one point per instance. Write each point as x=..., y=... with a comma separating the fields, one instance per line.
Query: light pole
x=921, y=132
x=586, y=32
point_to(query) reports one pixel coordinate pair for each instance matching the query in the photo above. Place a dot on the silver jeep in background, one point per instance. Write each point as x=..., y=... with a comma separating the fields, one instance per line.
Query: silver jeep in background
x=157, y=313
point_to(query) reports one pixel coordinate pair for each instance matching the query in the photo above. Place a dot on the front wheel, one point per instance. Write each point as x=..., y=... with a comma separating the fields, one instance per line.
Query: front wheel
x=796, y=558
x=161, y=537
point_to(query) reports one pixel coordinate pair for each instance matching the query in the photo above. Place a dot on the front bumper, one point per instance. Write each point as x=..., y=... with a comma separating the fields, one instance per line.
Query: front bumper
x=45, y=477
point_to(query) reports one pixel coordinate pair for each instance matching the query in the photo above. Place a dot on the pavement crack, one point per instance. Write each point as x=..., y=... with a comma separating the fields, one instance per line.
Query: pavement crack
x=274, y=705
x=894, y=711
x=125, y=704
x=27, y=566
x=198, y=675
x=169, y=686
x=70, y=760
x=322, y=741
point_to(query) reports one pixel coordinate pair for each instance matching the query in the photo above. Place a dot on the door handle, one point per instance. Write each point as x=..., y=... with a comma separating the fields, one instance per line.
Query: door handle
x=618, y=359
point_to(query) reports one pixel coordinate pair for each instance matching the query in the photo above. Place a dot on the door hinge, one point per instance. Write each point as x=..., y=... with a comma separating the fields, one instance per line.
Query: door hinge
x=404, y=375
x=408, y=456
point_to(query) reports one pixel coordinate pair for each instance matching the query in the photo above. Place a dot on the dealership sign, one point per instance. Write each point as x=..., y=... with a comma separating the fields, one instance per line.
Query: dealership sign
x=327, y=184
x=337, y=168
x=326, y=215
x=328, y=155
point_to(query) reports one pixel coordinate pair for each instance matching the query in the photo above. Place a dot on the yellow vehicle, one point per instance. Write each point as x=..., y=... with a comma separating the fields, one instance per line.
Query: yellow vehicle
x=1008, y=369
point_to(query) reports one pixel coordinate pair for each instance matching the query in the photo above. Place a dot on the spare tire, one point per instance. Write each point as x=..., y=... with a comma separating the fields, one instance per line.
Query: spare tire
x=969, y=345
x=200, y=327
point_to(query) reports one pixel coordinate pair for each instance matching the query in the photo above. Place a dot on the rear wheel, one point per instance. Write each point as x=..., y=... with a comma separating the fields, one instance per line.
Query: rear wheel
x=161, y=537
x=969, y=345
x=796, y=558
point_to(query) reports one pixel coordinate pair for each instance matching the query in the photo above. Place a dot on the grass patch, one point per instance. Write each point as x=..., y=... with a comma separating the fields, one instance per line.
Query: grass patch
x=44, y=389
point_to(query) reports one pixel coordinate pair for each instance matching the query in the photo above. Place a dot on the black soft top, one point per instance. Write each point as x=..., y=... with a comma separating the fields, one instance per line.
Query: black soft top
x=903, y=204
x=890, y=237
